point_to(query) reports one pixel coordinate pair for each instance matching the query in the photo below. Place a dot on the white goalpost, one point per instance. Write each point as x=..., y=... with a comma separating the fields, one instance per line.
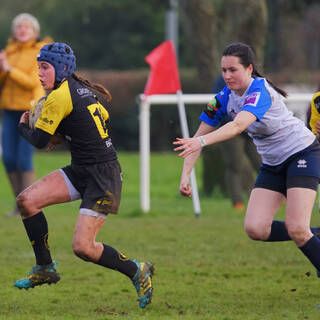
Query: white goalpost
x=297, y=102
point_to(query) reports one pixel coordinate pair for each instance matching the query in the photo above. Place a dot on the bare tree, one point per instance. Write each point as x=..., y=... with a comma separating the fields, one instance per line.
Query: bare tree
x=211, y=24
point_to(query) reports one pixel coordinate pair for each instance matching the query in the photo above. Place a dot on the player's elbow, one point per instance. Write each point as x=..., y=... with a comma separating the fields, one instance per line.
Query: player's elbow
x=238, y=127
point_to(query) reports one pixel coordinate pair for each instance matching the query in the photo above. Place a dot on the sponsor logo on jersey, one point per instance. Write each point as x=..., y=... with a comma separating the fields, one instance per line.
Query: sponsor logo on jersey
x=84, y=92
x=301, y=163
x=108, y=143
x=46, y=120
x=252, y=99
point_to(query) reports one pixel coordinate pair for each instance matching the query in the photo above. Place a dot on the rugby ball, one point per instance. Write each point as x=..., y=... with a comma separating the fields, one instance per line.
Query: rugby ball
x=35, y=112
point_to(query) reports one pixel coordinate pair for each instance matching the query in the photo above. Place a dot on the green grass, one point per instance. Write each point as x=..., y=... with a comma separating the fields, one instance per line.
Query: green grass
x=206, y=268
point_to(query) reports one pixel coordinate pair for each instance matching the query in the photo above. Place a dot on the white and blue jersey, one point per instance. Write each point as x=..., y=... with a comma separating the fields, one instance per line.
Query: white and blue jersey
x=276, y=133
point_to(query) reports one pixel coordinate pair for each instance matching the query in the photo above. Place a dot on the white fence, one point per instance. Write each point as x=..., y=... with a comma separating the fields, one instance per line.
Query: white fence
x=296, y=102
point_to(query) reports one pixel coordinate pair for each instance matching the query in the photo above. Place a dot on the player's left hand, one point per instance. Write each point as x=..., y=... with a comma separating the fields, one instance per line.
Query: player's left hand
x=188, y=146
x=25, y=117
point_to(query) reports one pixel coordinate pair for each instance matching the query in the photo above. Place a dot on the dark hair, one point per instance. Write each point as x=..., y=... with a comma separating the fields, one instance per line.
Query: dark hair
x=247, y=57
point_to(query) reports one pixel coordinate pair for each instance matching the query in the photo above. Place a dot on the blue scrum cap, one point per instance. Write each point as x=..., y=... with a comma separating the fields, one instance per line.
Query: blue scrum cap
x=61, y=57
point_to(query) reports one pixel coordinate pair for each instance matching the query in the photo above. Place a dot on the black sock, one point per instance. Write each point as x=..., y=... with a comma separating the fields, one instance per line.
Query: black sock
x=311, y=250
x=37, y=230
x=115, y=260
x=279, y=232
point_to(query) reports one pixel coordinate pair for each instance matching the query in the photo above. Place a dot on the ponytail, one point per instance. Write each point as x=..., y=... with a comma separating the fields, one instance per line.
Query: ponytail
x=256, y=74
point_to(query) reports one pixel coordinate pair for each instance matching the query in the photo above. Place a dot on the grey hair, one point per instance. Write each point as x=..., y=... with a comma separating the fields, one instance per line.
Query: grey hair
x=28, y=17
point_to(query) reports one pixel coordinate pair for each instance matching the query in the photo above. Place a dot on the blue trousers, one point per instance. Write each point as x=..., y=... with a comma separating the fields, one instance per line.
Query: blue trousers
x=17, y=152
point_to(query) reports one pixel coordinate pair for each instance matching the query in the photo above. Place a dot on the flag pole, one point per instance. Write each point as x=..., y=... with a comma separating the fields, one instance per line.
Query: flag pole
x=164, y=78
x=144, y=146
x=185, y=135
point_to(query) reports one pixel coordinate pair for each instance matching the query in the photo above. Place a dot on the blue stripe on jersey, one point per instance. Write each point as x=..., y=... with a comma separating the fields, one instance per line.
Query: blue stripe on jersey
x=258, y=99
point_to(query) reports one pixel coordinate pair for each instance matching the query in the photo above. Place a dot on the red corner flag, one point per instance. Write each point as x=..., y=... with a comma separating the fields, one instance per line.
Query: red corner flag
x=164, y=75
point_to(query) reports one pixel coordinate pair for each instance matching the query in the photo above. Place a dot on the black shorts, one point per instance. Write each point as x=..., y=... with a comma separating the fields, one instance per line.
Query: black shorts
x=99, y=185
x=301, y=170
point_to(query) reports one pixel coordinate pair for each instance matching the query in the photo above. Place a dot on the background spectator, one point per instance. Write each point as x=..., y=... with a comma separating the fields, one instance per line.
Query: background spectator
x=20, y=88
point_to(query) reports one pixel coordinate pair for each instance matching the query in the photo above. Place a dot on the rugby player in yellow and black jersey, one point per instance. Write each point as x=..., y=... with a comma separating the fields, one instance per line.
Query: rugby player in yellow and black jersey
x=72, y=111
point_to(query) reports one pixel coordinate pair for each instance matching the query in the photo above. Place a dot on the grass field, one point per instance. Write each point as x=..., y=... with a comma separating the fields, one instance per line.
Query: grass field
x=205, y=268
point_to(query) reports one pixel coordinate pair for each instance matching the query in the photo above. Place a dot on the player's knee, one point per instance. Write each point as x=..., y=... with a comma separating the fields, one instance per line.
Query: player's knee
x=24, y=204
x=81, y=250
x=297, y=232
x=256, y=232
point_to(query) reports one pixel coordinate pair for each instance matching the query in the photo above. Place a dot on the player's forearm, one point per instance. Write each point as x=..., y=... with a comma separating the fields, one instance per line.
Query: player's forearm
x=189, y=163
x=227, y=131
x=37, y=137
x=231, y=129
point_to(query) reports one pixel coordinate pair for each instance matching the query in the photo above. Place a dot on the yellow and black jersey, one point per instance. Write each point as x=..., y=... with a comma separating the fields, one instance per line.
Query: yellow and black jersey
x=315, y=111
x=74, y=111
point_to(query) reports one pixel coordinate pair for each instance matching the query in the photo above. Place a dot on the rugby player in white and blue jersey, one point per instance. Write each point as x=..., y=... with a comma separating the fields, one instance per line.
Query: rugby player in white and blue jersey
x=290, y=169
